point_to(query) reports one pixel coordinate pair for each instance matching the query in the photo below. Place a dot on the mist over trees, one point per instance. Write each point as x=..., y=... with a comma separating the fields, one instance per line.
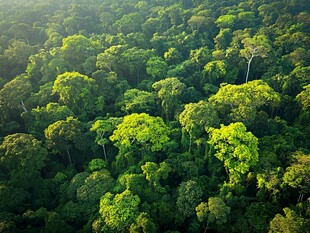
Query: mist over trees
x=154, y=116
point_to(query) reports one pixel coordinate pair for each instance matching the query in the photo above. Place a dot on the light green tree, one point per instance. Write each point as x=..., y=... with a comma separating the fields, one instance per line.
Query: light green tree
x=119, y=211
x=241, y=102
x=236, y=147
x=141, y=129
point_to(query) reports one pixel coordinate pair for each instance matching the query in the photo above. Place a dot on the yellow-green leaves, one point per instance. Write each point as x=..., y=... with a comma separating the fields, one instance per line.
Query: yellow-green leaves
x=141, y=129
x=236, y=148
x=304, y=97
x=119, y=211
x=241, y=102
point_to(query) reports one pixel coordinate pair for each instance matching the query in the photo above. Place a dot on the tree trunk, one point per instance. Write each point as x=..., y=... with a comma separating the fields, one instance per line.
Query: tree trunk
x=248, y=70
x=69, y=156
x=104, y=152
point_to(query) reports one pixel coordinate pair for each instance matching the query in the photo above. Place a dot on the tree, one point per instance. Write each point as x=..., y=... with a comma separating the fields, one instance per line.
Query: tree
x=236, y=148
x=304, y=96
x=197, y=117
x=17, y=55
x=110, y=86
x=119, y=211
x=173, y=56
x=129, y=23
x=95, y=186
x=223, y=39
x=135, y=59
x=110, y=59
x=77, y=48
x=298, y=173
x=103, y=129
x=189, y=195
x=258, y=46
x=156, y=67
x=137, y=101
x=63, y=135
x=78, y=92
x=290, y=223
x=40, y=118
x=226, y=21
x=21, y=159
x=218, y=72
x=241, y=102
x=13, y=94
x=143, y=224
x=154, y=173
x=169, y=91
x=196, y=22
x=141, y=129
x=215, y=211
x=218, y=210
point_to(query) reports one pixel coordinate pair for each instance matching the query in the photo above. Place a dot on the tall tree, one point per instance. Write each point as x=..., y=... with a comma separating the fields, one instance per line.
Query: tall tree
x=241, y=102
x=258, y=46
x=236, y=147
x=119, y=211
x=141, y=129
x=104, y=129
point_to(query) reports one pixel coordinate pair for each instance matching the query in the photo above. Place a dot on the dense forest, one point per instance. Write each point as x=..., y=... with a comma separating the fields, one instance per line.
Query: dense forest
x=162, y=116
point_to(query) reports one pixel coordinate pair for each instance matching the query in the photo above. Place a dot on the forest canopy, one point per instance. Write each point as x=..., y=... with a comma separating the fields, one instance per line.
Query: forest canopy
x=154, y=116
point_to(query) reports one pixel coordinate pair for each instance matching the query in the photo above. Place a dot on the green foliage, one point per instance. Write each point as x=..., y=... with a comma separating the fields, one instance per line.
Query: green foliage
x=241, y=102
x=22, y=156
x=154, y=173
x=291, y=222
x=76, y=91
x=198, y=117
x=40, y=118
x=297, y=174
x=97, y=164
x=169, y=91
x=63, y=135
x=137, y=101
x=215, y=211
x=74, y=74
x=120, y=211
x=304, y=96
x=189, y=195
x=95, y=185
x=148, y=131
x=236, y=148
x=21, y=159
x=143, y=224
x=157, y=68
